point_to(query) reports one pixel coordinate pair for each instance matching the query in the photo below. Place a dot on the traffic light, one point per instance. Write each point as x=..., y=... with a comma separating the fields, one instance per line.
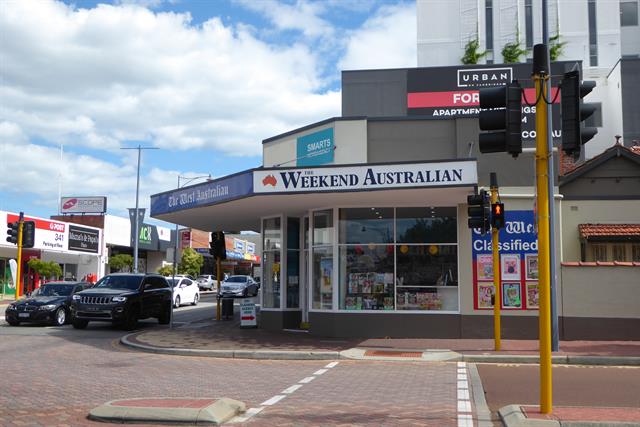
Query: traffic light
x=216, y=246
x=505, y=118
x=574, y=112
x=497, y=215
x=12, y=232
x=28, y=234
x=479, y=211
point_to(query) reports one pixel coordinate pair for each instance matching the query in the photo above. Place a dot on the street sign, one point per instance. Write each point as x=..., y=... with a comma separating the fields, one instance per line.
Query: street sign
x=248, y=314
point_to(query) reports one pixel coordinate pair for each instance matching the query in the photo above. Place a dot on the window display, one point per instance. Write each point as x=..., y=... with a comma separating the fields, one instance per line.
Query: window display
x=366, y=277
x=272, y=236
x=322, y=259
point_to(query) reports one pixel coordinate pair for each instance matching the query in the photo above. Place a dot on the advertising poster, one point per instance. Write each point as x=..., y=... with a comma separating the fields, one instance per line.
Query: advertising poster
x=510, y=266
x=485, y=295
x=326, y=272
x=533, y=301
x=518, y=250
x=485, y=267
x=531, y=266
x=511, y=297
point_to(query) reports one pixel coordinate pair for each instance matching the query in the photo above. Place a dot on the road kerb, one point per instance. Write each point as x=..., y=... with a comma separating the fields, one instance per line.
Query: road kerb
x=512, y=416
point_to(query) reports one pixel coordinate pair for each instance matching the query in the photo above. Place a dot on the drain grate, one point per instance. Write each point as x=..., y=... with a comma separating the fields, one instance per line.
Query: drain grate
x=387, y=353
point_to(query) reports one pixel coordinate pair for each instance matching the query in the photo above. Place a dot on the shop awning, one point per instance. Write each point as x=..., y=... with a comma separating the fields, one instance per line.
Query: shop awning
x=239, y=201
x=610, y=232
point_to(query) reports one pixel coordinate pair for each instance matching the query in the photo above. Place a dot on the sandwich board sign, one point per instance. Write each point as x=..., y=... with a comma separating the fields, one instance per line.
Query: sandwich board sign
x=248, y=314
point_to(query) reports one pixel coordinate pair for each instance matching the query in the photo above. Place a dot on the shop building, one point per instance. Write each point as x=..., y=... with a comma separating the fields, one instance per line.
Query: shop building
x=363, y=217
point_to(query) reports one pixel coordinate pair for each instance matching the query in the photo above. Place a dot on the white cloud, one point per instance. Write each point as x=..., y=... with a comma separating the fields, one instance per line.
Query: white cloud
x=99, y=76
x=386, y=40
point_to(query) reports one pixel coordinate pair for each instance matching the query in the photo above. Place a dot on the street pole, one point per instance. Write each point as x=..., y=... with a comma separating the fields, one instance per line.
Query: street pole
x=495, y=236
x=555, y=335
x=218, y=277
x=136, y=221
x=19, y=268
x=540, y=76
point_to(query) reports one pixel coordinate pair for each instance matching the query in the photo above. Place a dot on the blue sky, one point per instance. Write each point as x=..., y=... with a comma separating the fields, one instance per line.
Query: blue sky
x=204, y=81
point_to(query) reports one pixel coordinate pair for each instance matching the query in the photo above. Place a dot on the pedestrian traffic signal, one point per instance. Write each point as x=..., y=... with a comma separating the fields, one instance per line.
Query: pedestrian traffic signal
x=497, y=215
x=574, y=112
x=217, y=246
x=28, y=234
x=479, y=211
x=501, y=111
x=12, y=232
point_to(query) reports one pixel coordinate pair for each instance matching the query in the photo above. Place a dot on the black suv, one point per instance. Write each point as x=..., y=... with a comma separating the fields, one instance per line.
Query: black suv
x=123, y=298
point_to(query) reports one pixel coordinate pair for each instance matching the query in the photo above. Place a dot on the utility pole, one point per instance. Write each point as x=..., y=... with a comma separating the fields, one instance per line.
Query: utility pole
x=541, y=77
x=136, y=237
x=495, y=237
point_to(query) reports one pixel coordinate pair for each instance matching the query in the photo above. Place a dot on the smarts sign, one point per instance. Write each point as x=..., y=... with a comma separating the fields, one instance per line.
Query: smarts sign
x=315, y=149
x=365, y=177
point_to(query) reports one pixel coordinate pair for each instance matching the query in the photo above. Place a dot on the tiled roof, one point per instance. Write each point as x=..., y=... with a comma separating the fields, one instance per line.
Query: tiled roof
x=601, y=264
x=608, y=230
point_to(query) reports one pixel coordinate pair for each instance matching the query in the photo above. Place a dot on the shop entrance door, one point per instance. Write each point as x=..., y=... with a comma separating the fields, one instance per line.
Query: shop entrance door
x=304, y=269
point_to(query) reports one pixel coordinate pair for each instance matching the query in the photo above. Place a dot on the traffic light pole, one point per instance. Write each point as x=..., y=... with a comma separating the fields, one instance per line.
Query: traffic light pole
x=218, y=277
x=540, y=76
x=19, y=268
x=497, y=298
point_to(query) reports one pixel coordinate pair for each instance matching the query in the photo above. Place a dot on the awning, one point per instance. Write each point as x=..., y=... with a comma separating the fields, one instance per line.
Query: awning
x=610, y=232
x=239, y=201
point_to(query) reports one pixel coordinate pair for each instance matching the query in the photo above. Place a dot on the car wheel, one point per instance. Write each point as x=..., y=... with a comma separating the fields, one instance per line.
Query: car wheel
x=131, y=320
x=60, y=317
x=177, y=303
x=165, y=316
x=245, y=293
x=13, y=322
x=196, y=297
x=79, y=323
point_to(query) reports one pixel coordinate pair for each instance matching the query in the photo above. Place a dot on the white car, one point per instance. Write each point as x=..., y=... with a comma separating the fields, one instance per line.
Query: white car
x=239, y=286
x=185, y=291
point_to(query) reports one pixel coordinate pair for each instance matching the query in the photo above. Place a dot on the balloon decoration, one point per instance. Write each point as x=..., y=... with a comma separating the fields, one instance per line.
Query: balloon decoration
x=433, y=250
x=404, y=249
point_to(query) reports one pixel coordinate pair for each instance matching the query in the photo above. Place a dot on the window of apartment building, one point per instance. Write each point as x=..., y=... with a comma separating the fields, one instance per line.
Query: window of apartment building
x=628, y=13
x=619, y=253
x=528, y=20
x=595, y=120
x=599, y=252
x=488, y=8
x=593, y=34
x=635, y=253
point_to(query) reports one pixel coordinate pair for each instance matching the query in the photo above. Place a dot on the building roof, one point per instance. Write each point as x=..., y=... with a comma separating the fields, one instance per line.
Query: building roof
x=617, y=150
x=609, y=231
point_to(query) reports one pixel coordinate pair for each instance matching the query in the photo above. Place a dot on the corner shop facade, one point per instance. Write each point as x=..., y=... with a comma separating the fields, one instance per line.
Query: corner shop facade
x=364, y=233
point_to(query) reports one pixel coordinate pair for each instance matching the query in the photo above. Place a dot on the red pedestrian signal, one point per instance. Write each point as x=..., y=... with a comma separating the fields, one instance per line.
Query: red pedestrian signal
x=497, y=215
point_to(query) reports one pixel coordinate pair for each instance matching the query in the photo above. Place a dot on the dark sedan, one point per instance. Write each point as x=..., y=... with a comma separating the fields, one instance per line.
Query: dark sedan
x=47, y=304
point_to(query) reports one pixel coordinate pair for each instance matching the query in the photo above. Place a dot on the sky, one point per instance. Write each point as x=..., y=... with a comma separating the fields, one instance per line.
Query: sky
x=204, y=81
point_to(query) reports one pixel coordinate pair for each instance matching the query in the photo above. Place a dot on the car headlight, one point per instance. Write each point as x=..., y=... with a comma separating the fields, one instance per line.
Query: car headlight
x=48, y=307
x=12, y=307
x=76, y=297
x=119, y=299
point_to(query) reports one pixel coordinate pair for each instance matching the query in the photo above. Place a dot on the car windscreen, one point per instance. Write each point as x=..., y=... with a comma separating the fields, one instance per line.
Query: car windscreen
x=120, y=282
x=173, y=282
x=236, y=279
x=203, y=277
x=55, y=290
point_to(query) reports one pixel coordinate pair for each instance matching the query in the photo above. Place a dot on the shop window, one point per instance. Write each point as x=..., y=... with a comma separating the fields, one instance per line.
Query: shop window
x=322, y=260
x=628, y=13
x=272, y=239
x=366, y=277
x=366, y=225
x=426, y=277
x=323, y=227
x=599, y=252
x=426, y=225
x=619, y=253
x=635, y=253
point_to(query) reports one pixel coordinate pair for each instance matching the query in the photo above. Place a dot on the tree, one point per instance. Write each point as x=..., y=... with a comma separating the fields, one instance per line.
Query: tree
x=191, y=262
x=471, y=54
x=46, y=269
x=166, y=270
x=121, y=262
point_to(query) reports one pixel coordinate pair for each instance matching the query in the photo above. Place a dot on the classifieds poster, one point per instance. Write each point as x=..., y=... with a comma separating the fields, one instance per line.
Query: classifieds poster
x=518, y=265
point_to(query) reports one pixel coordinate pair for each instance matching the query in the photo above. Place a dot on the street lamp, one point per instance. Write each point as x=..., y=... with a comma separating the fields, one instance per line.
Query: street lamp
x=188, y=179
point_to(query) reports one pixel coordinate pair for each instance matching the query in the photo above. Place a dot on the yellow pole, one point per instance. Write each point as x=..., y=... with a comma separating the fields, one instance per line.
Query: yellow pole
x=495, y=233
x=542, y=203
x=18, y=270
x=218, y=276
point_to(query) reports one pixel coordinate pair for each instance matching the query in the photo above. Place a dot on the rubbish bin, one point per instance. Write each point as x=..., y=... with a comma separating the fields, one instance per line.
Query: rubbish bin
x=227, y=308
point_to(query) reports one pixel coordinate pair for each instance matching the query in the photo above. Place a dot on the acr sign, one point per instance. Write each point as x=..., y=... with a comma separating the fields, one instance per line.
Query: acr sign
x=83, y=205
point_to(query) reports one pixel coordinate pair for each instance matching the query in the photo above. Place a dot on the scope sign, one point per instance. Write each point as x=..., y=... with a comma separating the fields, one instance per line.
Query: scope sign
x=83, y=205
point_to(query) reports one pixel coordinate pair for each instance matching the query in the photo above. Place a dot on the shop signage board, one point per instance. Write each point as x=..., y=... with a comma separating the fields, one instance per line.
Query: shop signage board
x=315, y=149
x=452, y=92
x=72, y=205
x=205, y=194
x=518, y=250
x=83, y=239
x=367, y=177
x=248, y=314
